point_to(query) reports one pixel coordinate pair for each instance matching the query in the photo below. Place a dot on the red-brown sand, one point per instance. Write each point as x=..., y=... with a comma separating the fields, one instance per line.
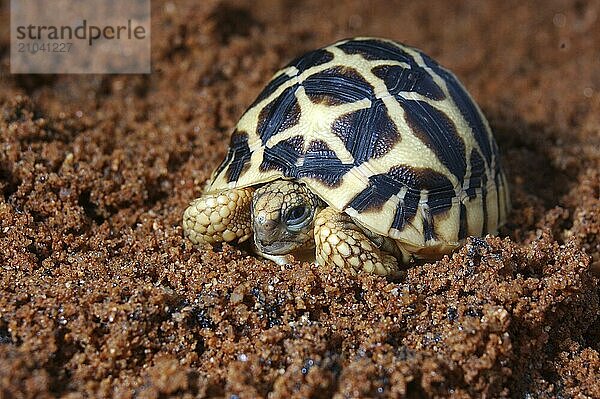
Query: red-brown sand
x=101, y=296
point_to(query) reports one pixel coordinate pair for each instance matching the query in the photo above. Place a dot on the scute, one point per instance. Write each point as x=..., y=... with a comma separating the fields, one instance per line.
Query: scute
x=382, y=132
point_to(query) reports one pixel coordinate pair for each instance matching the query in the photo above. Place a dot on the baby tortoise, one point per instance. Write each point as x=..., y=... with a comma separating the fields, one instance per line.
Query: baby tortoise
x=366, y=150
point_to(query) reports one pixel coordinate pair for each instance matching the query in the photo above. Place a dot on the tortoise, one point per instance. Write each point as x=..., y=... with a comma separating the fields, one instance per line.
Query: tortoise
x=366, y=150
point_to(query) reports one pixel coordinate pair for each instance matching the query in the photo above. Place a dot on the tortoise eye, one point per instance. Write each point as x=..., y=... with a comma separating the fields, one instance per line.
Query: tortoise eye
x=297, y=216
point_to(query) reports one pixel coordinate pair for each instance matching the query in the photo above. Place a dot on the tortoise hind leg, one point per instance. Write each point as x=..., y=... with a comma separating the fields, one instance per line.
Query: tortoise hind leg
x=218, y=217
x=341, y=242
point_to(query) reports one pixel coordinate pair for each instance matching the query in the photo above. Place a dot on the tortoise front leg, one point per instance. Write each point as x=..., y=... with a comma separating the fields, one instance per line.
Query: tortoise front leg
x=341, y=242
x=218, y=217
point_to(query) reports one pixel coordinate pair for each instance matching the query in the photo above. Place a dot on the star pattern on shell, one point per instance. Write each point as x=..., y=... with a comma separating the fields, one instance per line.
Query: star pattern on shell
x=381, y=132
x=314, y=125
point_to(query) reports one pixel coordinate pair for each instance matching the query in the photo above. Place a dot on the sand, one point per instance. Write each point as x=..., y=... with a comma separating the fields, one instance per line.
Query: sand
x=101, y=296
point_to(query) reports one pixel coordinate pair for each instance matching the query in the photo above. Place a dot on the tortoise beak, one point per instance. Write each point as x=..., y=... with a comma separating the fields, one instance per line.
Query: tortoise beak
x=272, y=238
x=276, y=248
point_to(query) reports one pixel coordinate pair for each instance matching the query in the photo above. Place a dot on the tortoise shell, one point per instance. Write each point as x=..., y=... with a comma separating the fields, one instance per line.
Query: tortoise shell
x=382, y=132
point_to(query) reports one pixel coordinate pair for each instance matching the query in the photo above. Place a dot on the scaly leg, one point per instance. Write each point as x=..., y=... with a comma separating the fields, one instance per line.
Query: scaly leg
x=341, y=242
x=218, y=217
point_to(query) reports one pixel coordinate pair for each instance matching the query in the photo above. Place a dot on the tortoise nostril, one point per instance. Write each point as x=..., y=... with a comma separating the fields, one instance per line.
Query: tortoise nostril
x=265, y=224
x=263, y=243
x=266, y=230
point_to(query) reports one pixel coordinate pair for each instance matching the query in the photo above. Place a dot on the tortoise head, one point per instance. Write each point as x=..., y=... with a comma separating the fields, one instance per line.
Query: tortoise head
x=283, y=214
